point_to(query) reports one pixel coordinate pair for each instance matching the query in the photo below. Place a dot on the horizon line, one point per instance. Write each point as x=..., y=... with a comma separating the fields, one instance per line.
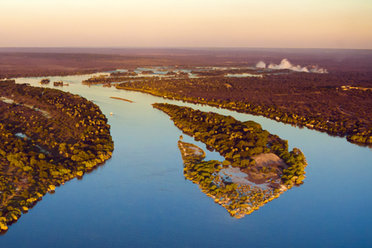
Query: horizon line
x=182, y=47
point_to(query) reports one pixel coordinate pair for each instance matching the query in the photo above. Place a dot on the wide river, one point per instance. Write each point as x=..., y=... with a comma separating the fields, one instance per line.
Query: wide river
x=140, y=198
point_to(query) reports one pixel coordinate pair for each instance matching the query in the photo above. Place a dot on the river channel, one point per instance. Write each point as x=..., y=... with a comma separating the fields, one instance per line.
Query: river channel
x=140, y=198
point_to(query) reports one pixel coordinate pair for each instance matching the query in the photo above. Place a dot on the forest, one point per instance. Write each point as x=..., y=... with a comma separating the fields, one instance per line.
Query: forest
x=47, y=137
x=337, y=103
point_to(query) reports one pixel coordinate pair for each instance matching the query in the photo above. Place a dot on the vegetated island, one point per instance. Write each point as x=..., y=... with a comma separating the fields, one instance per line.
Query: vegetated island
x=114, y=77
x=47, y=138
x=331, y=103
x=257, y=168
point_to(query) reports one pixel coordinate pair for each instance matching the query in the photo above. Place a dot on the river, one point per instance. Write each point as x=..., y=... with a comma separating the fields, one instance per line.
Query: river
x=140, y=198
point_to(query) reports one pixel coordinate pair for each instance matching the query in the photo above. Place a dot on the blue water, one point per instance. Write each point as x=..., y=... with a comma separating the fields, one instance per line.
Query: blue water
x=140, y=198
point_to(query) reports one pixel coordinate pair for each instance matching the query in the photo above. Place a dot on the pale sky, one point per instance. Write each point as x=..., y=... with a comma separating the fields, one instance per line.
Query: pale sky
x=186, y=23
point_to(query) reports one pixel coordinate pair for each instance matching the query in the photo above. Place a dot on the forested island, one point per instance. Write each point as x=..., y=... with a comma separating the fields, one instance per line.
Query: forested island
x=269, y=167
x=339, y=104
x=47, y=138
x=114, y=77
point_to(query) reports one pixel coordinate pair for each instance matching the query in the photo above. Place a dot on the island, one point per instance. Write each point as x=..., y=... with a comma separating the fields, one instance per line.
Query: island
x=44, y=81
x=258, y=166
x=47, y=137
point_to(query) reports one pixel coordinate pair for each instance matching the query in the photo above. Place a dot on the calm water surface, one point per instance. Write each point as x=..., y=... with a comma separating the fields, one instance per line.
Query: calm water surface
x=140, y=198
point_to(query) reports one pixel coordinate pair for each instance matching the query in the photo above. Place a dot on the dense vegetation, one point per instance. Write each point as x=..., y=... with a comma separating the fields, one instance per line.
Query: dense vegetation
x=47, y=137
x=104, y=79
x=238, y=198
x=241, y=143
x=238, y=142
x=112, y=78
x=316, y=101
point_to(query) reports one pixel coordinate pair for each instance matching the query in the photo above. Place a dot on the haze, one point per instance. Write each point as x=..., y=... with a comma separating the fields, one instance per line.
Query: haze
x=186, y=23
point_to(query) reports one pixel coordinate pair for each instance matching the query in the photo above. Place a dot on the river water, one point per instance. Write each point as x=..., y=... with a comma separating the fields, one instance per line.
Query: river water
x=140, y=198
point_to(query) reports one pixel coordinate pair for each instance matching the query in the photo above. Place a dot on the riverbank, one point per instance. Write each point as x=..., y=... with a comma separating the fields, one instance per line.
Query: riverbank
x=39, y=153
x=353, y=129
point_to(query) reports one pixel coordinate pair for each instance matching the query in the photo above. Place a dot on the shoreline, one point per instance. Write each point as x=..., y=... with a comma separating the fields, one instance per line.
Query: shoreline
x=49, y=151
x=233, y=108
x=348, y=137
